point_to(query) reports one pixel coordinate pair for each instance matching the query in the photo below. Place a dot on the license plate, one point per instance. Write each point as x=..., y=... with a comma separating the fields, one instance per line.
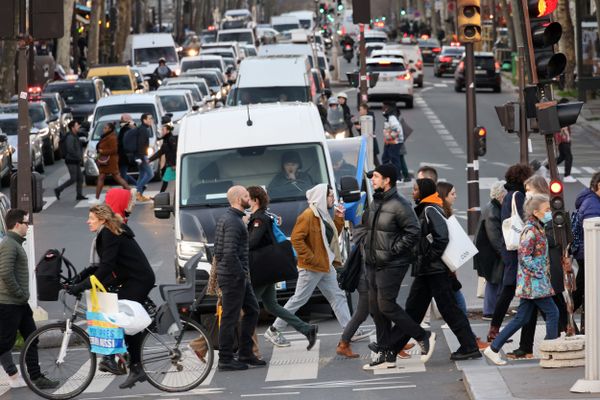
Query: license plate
x=481, y=72
x=426, y=51
x=280, y=285
x=454, y=62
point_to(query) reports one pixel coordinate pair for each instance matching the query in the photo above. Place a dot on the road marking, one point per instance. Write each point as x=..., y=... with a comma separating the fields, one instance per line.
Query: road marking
x=384, y=388
x=438, y=166
x=586, y=181
x=211, y=374
x=269, y=394
x=440, y=85
x=426, y=89
x=455, y=151
x=80, y=375
x=294, y=362
x=341, y=384
x=589, y=170
x=48, y=202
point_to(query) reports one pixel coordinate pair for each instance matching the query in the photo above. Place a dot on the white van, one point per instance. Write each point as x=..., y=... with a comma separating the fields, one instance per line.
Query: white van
x=145, y=49
x=300, y=49
x=241, y=146
x=208, y=61
x=273, y=79
x=237, y=35
x=305, y=18
x=285, y=23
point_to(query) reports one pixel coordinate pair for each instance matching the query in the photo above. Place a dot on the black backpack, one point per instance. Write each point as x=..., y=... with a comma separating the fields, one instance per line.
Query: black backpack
x=62, y=143
x=48, y=273
x=130, y=141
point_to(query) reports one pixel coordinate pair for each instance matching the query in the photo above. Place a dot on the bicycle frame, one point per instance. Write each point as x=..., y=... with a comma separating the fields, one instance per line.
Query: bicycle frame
x=67, y=336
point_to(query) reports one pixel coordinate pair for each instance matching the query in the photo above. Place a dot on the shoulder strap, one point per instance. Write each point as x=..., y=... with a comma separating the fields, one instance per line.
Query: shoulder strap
x=435, y=208
x=513, y=206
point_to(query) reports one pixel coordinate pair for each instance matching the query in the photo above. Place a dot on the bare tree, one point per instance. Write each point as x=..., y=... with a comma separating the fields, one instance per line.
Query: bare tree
x=7, y=69
x=597, y=3
x=63, y=50
x=567, y=41
x=123, y=27
x=94, y=34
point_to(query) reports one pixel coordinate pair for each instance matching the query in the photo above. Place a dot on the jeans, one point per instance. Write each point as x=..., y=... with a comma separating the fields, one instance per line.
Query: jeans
x=75, y=176
x=391, y=155
x=238, y=295
x=128, y=178
x=439, y=287
x=145, y=176
x=502, y=304
x=362, y=310
x=267, y=294
x=526, y=308
x=15, y=318
x=327, y=284
x=384, y=285
x=528, y=330
x=492, y=291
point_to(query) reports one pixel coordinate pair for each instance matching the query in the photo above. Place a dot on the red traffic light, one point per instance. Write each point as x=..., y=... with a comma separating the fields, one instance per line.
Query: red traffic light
x=481, y=131
x=541, y=8
x=556, y=187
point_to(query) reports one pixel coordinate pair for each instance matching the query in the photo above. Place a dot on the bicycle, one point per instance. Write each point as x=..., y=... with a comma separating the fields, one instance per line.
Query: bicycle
x=171, y=358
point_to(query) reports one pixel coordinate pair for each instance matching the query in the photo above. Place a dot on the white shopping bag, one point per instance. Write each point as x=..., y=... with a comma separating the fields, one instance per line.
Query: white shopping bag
x=102, y=301
x=132, y=317
x=512, y=228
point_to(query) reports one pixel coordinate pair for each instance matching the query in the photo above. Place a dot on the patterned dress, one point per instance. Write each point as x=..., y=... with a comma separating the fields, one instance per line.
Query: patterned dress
x=533, y=274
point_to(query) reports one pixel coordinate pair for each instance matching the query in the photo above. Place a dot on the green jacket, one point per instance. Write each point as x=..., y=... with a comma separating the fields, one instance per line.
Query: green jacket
x=14, y=272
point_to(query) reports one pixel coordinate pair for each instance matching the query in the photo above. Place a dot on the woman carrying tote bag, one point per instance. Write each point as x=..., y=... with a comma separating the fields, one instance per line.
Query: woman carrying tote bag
x=260, y=234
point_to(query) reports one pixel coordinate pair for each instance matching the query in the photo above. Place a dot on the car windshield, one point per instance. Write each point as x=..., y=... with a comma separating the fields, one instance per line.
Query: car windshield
x=453, y=51
x=206, y=176
x=484, y=63
x=285, y=27
x=254, y=95
x=229, y=61
x=211, y=79
x=428, y=43
x=117, y=82
x=36, y=113
x=208, y=38
x=97, y=133
x=74, y=93
x=386, y=67
x=195, y=94
x=219, y=52
x=197, y=64
x=52, y=104
x=242, y=37
x=126, y=109
x=9, y=126
x=375, y=39
x=199, y=85
x=305, y=23
x=251, y=51
x=344, y=157
x=153, y=54
x=173, y=102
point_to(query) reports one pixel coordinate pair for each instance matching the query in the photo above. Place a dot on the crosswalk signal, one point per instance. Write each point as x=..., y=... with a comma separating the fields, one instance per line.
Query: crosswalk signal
x=544, y=35
x=469, y=21
x=480, y=140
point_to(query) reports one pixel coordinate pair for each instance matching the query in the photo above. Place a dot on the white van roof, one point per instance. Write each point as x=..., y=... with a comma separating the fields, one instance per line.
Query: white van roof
x=285, y=49
x=143, y=40
x=273, y=71
x=284, y=19
x=240, y=12
x=137, y=98
x=202, y=132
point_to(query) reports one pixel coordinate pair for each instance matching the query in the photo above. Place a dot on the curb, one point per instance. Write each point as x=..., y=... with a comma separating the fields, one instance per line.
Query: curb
x=486, y=384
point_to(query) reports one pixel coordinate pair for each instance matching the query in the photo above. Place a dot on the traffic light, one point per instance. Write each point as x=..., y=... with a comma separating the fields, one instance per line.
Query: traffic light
x=560, y=218
x=544, y=35
x=480, y=134
x=47, y=19
x=340, y=5
x=552, y=116
x=321, y=8
x=469, y=21
x=361, y=11
x=8, y=20
x=403, y=12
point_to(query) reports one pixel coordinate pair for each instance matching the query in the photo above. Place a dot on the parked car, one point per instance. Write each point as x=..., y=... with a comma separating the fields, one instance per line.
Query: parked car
x=9, y=124
x=395, y=82
x=448, y=59
x=487, y=73
x=4, y=207
x=59, y=109
x=6, y=166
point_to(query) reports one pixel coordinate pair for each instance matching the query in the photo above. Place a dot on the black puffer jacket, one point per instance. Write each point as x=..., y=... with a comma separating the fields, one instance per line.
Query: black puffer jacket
x=433, y=241
x=489, y=242
x=393, y=231
x=231, y=244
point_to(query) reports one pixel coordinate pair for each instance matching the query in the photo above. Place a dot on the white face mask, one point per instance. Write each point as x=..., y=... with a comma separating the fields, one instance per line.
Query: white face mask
x=528, y=195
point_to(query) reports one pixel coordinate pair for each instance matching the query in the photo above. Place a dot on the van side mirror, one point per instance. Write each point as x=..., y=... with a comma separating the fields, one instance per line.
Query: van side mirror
x=349, y=189
x=162, y=206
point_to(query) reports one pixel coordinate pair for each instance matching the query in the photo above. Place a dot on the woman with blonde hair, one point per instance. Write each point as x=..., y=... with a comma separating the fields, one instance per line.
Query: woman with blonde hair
x=117, y=259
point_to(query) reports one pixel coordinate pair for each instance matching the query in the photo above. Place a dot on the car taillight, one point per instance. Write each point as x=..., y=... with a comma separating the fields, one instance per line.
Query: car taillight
x=497, y=65
x=445, y=59
x=437, y=49
x=419, y=64
x=347, y=47
x=404, y=77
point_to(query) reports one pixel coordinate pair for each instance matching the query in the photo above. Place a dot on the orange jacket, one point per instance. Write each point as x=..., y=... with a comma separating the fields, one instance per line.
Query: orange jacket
x=307, y=240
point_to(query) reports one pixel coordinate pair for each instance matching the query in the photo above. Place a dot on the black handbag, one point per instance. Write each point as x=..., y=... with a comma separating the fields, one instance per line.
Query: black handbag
x=349, y=276
x=273, y=263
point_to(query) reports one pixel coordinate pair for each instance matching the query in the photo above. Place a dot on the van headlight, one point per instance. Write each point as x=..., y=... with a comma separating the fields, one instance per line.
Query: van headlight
x=187, y=250
x=90, y=118
x=91, y=153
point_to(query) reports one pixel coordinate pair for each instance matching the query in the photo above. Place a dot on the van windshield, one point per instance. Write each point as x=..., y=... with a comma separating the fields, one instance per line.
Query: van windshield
x=206, y=176
x=117, y=82
x=285, y=27
x=198, y=64
x=153, y=54
x=126, y=109
x=174, y=103
x=242, y=37
x=254, y=95
x=74, y=93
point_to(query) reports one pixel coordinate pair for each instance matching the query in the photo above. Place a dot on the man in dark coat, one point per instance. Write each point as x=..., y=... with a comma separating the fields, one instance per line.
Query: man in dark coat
x=73, y=156
x=144, y=131
x=126, y=123
x=231, y=254
x=432, y=279
x=393, y=231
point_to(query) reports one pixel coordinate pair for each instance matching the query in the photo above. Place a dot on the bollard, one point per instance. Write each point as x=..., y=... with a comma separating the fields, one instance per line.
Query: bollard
x=366, y=129
x=591, y=382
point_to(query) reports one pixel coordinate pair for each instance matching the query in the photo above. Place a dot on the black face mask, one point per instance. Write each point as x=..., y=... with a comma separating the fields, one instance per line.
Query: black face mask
x=379, y=190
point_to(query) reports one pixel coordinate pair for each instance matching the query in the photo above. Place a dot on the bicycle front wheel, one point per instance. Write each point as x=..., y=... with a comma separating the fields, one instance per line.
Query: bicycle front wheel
x=66, y=364
x=173, y=367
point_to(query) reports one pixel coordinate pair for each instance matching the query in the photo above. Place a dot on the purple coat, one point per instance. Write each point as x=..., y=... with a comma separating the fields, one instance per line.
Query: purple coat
x=588, y=204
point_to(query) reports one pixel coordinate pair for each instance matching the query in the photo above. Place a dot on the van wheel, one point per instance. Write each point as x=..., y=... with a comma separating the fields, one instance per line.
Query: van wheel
x=409, y=103
x=90, y=180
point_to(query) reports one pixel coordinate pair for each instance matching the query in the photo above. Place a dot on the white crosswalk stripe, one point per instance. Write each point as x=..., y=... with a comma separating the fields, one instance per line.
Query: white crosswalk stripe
x=51, y=200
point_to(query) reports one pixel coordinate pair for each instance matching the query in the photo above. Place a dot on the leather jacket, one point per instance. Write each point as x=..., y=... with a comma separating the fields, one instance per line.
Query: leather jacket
x=393, y=231
x=433, y=241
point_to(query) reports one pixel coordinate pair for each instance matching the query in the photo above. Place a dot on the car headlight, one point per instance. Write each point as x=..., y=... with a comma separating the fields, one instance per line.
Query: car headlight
x=187, y=250
x=150, y=151
x=90, y=118
x=192, y=52
x=91, y=153
x=218, y=95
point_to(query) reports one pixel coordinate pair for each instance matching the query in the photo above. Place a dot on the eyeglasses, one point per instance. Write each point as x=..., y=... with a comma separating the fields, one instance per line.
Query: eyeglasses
x=24, y=223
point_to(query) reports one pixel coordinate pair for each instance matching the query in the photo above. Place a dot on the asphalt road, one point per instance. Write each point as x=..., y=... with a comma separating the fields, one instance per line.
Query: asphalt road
x=439, y=139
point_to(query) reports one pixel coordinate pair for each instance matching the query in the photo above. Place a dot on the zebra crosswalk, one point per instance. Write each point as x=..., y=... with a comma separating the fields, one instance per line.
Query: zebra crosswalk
x=50, y=201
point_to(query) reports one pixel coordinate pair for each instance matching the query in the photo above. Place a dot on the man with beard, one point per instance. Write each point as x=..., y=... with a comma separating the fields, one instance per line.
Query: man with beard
x=231, y=254
x=393, y=232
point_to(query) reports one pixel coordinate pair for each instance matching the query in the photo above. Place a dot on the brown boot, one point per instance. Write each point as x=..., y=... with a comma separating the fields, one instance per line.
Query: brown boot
x=344, y=349
x=492, y=333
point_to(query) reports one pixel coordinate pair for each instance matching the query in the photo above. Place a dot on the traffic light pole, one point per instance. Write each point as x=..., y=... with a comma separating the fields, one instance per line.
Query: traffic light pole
x=474, y=209
x=523, y=134
x=362, y=49
x=24, y=156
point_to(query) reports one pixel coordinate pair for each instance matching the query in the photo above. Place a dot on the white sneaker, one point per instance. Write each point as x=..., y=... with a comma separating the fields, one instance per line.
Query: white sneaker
x=94, y=201
x=493, y=356
x=425, y=325
x=445, y=326
x=569, y=179
x=16, y=381
x=131, y=202
x=361, y=334
x=276, y=338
